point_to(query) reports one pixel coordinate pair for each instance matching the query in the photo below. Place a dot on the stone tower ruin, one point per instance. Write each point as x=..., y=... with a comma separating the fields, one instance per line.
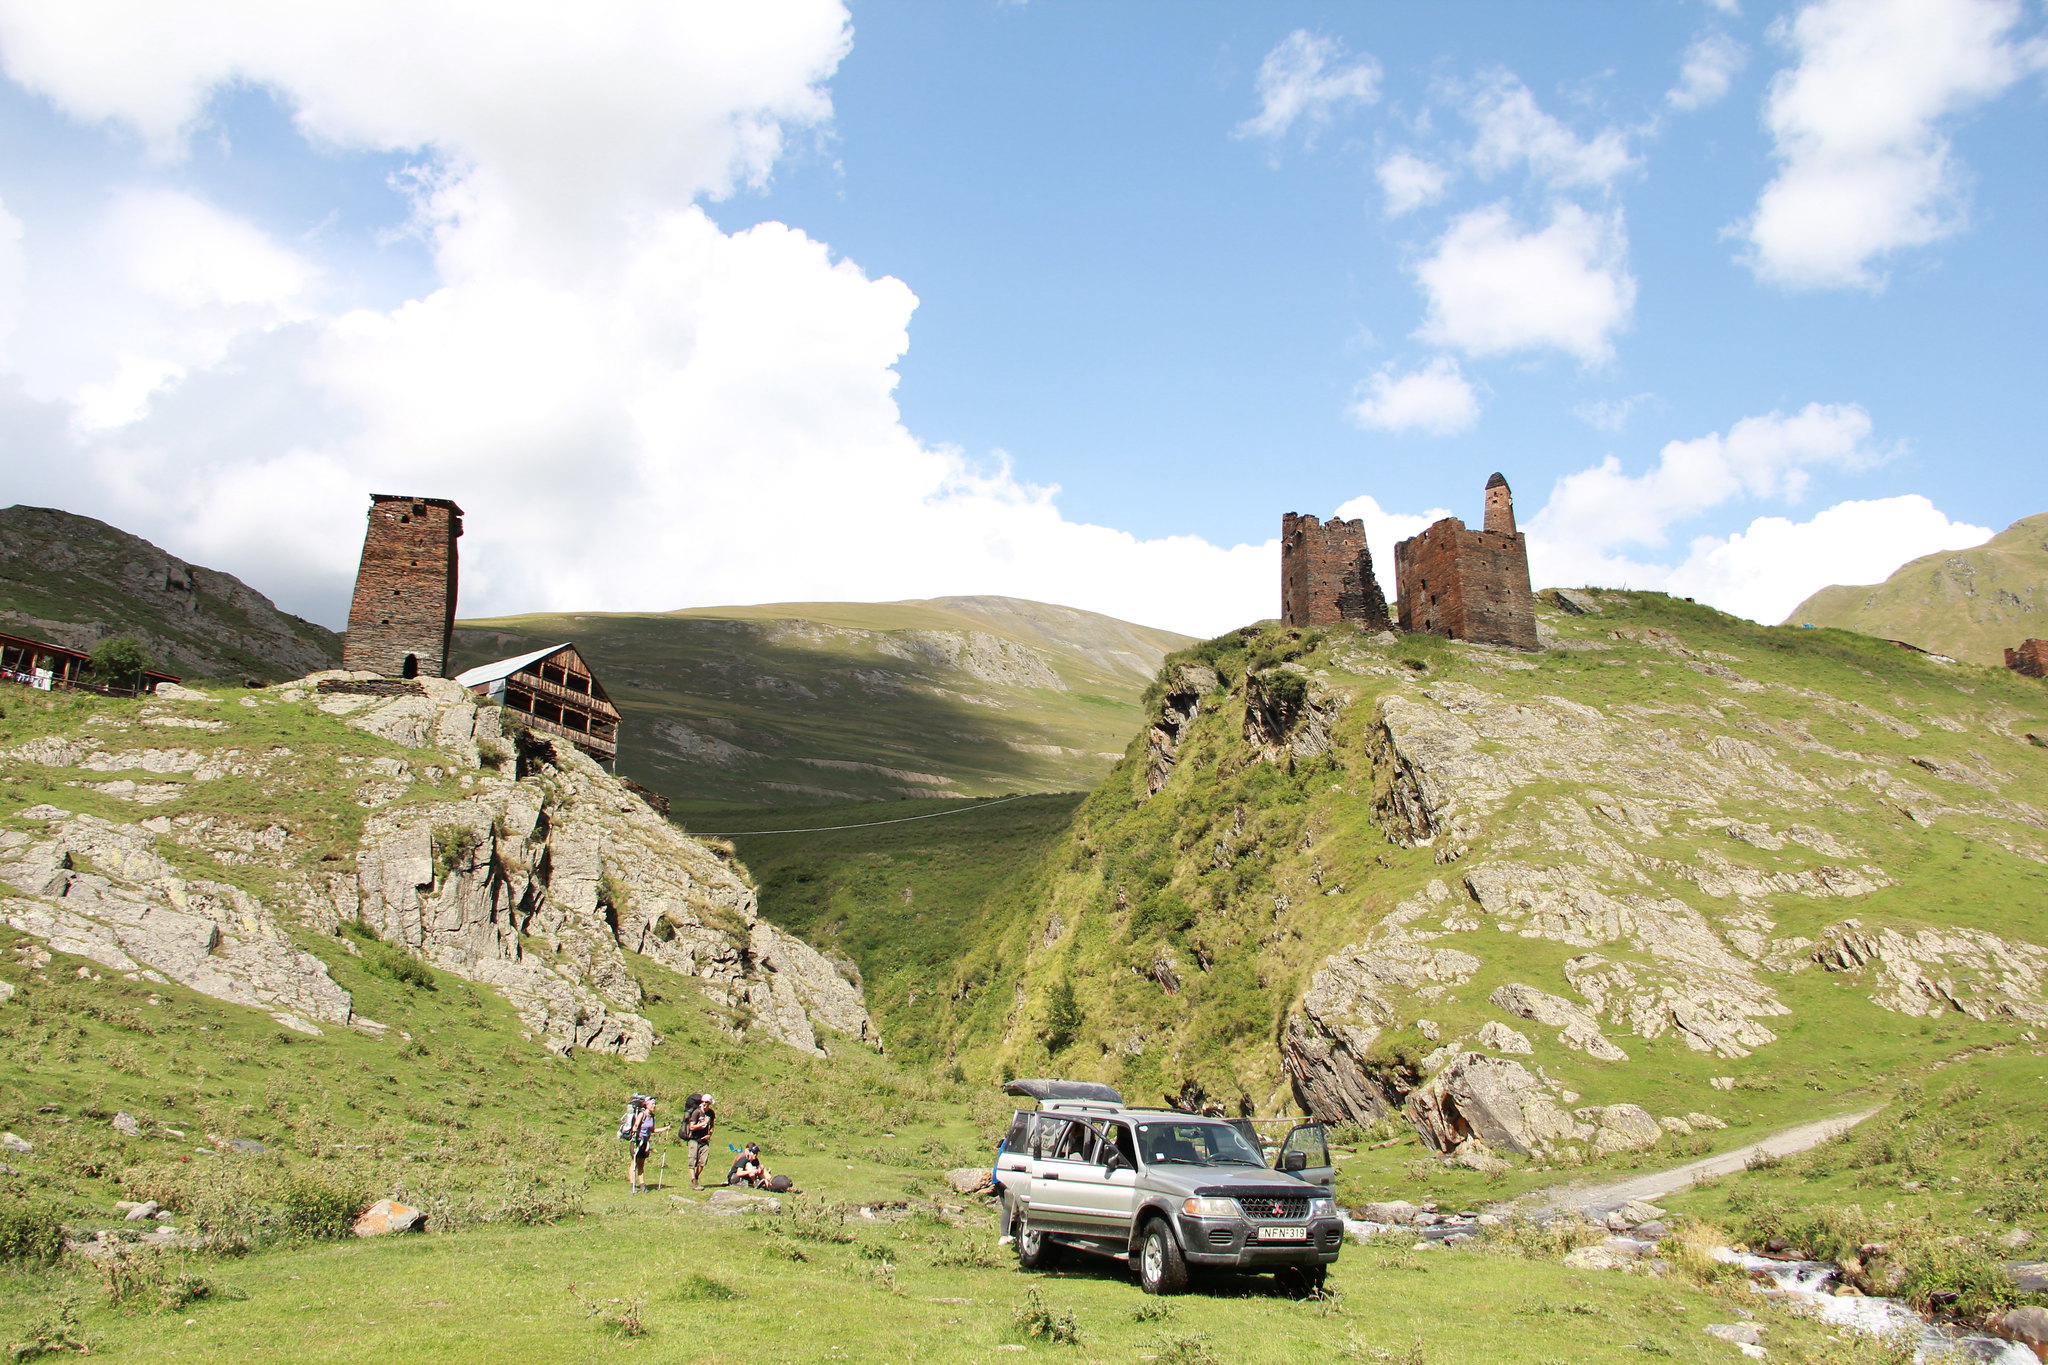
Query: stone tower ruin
x=403, y=618
x=1326, y=574
x=1470, y=585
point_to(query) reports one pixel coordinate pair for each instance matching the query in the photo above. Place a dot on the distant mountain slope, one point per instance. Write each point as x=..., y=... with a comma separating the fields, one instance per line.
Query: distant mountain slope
x=1973, y=604
x=796, y=702
x=74, y=581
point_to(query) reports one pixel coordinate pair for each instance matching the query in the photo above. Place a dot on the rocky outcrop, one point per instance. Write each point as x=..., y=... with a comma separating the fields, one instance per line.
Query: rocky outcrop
x=533, y=872
x=1934, y=971
x=1184, y=685
x=1499, y=1102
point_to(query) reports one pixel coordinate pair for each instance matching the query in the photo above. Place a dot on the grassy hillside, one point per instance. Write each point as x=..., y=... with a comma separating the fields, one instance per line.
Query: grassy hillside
x=802, y=703
x=900, y=898
x=1972, y=604
x=1718, y=843
x=73, y=580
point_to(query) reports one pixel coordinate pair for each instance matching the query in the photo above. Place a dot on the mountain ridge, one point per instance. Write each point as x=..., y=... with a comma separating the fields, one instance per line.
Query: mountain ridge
x=1970, y=604
x=75, y=580
x=783, y=703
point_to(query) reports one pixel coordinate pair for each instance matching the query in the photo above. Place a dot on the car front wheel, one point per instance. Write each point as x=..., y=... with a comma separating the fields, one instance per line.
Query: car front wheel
x=1035, y=1250
x=1161, y=1268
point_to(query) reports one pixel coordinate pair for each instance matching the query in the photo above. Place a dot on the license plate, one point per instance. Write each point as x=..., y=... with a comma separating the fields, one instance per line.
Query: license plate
x=1282, y=1234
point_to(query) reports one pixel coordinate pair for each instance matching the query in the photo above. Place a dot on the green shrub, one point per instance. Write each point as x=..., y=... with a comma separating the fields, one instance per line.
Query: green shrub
x=1062, y=1015
x=452, y=844
x=1035, y=1319
x=1957, y=1279
x=29, y=1231
x=55, y=1333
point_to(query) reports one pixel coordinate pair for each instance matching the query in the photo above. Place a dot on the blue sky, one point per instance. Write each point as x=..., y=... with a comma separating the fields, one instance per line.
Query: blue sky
x=696, y=305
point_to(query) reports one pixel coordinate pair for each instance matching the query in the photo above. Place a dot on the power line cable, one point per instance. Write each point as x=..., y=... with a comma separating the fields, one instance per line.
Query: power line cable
x=870, y=824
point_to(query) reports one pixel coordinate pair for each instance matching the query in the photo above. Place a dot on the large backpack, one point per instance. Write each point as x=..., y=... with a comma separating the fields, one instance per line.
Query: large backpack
x=629, y=1122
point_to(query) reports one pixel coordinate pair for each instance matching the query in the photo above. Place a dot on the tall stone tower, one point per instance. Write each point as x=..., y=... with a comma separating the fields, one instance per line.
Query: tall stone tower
x=1470, y=585
x=1500, y=505
x=1326, y=574
x=403, y=618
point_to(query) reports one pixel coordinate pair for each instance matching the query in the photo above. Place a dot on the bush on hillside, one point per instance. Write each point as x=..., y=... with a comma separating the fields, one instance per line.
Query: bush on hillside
x=29, y=1231
x=388, y=960
x=1062, y=1016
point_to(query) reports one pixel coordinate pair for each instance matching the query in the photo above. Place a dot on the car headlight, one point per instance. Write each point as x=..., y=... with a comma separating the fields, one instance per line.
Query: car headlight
x=1209, y=1208
x=1322, y=1208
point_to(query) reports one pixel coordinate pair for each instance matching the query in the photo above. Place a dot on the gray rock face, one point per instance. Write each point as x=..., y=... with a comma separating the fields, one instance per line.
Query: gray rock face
x=1655, y=945
x=1495, y=1100
x=536, y=886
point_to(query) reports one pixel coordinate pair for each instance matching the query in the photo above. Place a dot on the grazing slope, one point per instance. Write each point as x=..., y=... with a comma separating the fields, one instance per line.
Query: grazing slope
x=802, y=702
x=73, y=581
x=1671, y=872
x=1972, y=604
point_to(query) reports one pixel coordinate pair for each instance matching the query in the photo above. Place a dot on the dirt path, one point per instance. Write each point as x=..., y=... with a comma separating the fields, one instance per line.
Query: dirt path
x=1661, y=1183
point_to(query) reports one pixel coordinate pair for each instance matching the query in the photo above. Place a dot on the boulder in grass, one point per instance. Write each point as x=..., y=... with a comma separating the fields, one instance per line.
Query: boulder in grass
x=2027, y=1326
x=1387, y=1211
x=14, y=1143
x=387, y=1216
x=127, y=1125
x=968, y=1179
x=141, y=1212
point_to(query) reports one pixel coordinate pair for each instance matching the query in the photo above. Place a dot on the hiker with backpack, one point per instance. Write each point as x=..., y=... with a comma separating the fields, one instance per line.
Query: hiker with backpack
x=699, y=1119
x=638, y=1127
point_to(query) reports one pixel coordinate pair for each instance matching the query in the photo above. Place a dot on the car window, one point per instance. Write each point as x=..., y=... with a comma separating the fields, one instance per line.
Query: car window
x=1312, y=1142
x=1019, y=1136
x=1118, y=1136
x=1195, y=1144
x=1075, y=1142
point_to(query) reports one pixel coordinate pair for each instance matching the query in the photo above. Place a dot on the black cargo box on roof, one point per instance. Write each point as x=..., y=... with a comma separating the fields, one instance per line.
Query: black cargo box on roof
x=1064, y=1090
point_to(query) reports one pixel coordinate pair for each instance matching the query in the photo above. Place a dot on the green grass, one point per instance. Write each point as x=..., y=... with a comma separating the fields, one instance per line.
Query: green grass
x=831, y=703
x=899, y=899
x=708, y=1289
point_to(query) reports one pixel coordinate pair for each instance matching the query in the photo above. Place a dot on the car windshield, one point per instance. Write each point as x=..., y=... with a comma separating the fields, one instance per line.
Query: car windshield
x=1195, y=1143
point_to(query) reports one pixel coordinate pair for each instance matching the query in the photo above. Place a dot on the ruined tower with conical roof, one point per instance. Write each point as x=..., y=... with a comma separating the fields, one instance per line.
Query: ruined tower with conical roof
x=1470, y=585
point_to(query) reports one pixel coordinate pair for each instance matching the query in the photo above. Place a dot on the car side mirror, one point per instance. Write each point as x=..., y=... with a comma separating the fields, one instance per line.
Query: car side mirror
x=1294, y=1161
x=1114, y=1161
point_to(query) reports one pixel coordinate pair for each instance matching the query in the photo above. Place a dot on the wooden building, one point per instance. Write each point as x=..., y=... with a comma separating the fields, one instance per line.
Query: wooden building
x=557, y=693
x=40, y=664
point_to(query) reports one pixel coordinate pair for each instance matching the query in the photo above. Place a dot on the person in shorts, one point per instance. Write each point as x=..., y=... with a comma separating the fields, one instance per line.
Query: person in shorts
x=697, y=1127
x=644, y=1131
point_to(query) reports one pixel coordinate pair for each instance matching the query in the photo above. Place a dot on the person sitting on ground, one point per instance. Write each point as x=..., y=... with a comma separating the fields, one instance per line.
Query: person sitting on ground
x=697, y=1125
x=643, y=1140
x=748, y=1170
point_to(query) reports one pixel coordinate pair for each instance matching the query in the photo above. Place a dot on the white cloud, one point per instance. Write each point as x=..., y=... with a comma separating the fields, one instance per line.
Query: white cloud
x=1384, y=530
x=1709, y=68
x=637, y=409
x=1494, y=289
x=1770, y=568
x=1513, y=131
x=1865, y=165
x=1590, y=514
x=1410, y=182
x=1436, y=399
x=1305, y=79
x=1611, y=414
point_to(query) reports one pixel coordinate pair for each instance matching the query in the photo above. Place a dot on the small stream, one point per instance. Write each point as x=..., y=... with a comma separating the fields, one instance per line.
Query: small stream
x=1809, y=1282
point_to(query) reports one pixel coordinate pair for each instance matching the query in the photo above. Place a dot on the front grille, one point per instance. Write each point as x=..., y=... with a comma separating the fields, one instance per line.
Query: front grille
x=1283, y=1208
x=1221, y=1237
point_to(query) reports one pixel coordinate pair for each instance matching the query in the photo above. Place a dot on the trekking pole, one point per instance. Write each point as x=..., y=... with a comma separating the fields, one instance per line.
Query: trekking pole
x=661, y=1179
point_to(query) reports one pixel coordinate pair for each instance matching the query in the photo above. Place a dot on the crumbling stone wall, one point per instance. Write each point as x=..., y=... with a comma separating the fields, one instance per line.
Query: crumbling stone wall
x=2031, y=659
x=1326, y=574
x=403, y=617
x=1469, y=585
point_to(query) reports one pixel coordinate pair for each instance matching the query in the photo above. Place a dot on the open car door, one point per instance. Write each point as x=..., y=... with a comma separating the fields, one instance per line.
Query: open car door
x=1305, y=1155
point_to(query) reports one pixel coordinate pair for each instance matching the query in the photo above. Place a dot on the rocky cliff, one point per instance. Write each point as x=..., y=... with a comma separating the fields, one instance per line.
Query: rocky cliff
x=1562, y=903
x=74, y=581
x=225, y=842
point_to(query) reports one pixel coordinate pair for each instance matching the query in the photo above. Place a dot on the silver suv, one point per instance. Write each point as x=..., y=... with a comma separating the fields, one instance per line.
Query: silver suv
x=1163, y=1190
